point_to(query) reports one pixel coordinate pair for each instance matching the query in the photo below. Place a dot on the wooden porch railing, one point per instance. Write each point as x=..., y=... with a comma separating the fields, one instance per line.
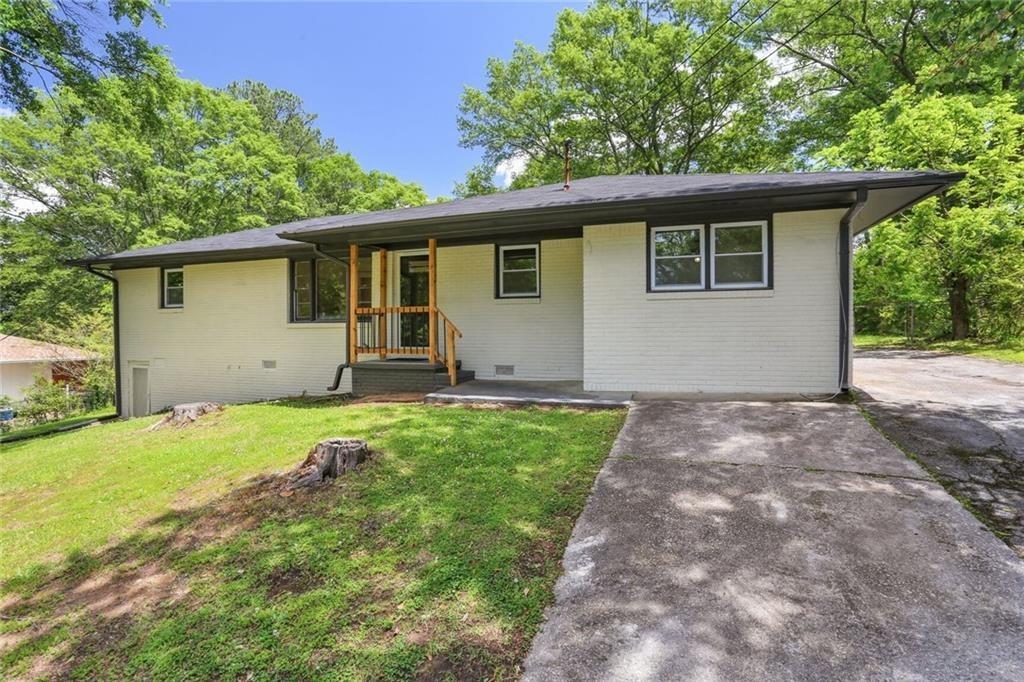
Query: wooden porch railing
x=402, y=330
x=405, y=330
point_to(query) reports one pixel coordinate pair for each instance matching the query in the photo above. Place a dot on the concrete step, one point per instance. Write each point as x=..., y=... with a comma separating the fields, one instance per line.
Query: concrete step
x=441, y=377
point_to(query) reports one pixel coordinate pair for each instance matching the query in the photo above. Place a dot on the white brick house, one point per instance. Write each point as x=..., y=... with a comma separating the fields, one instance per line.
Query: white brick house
x=735, y=284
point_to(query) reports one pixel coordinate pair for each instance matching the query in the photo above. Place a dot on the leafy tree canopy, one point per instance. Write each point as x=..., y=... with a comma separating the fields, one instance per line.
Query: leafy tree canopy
x=856, y=52
x=638, y=87
x=207, y=162
x=50, y=40
x=966, y=246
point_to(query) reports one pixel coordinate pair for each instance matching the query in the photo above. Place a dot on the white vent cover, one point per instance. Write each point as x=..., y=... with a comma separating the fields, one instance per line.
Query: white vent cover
x=270, y=364
x=504, y=370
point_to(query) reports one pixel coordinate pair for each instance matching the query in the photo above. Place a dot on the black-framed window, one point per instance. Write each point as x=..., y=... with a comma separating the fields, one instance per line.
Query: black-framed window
x=677, y=257
x=722, y=255
x=739, y=255
x=172, y=287
x=517, y=271
x=318, y=292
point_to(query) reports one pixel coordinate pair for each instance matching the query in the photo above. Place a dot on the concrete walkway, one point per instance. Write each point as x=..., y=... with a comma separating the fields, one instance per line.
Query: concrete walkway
x=741, y=541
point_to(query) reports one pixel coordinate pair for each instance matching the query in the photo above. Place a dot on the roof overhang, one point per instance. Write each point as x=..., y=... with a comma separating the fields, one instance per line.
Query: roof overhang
x=883, y=201
x=548, y=217
x=195, y=258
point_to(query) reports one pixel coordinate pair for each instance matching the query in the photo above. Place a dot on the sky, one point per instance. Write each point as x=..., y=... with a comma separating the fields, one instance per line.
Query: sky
x=384, y=78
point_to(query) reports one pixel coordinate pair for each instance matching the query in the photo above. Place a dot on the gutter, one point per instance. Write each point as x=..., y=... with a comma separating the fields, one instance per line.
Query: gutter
x=845, y=288
x=117, y=336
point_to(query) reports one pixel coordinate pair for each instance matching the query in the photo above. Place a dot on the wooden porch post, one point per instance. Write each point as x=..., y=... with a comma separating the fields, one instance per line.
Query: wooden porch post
x=353, y=301
x=383, y=340
x=432, y=289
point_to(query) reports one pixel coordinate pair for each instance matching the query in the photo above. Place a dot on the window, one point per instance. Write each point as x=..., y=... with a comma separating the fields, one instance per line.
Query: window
x=318, y=291
x=676, y=258
x=518, y=271
x=172, y=288
x=739, y=255
x=710, y=256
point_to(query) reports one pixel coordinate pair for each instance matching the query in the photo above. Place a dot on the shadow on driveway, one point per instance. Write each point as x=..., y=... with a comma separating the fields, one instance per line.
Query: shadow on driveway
x=776, y=541
x=962, y=418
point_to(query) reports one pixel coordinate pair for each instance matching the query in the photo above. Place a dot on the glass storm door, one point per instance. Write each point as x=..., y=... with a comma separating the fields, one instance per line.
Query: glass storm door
x=413, y=281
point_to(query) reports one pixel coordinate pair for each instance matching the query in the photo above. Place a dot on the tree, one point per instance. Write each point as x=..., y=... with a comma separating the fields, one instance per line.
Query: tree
x=969, y=242
x=479, y=180
x=120, y=179
x=331, y=182
x=48, y=42
x=639, y=88
x=203, y=162
x=859, y=51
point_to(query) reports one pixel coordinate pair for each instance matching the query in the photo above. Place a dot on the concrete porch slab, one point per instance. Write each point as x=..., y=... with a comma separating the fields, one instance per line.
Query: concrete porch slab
x=565, y=393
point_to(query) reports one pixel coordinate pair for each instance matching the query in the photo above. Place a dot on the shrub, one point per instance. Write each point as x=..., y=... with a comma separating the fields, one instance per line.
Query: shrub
x=46, y=401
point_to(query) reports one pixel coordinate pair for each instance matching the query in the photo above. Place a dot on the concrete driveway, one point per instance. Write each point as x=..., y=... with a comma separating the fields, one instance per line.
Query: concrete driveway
x=727, y=541
x=962, y=417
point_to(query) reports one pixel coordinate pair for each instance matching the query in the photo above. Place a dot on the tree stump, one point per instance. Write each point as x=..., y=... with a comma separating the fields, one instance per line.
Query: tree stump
x=329, y=459
x=186, y=413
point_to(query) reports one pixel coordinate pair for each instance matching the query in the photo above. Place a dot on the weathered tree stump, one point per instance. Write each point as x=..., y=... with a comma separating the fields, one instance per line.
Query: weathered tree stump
x=186, y=413
x=329, y=459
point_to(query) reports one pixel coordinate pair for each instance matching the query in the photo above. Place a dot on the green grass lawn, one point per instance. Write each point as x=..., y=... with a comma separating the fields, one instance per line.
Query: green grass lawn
x=33, y=430
x=1007, y=351
x=128, y=553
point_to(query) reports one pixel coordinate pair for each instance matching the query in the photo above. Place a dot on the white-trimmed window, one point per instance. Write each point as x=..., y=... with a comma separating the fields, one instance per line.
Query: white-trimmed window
x=519, y=271
x=172, y=285
x=739, y=255
x=676, y=258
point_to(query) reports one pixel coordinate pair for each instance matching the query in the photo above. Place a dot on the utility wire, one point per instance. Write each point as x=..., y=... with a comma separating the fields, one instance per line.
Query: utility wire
x=704, y=40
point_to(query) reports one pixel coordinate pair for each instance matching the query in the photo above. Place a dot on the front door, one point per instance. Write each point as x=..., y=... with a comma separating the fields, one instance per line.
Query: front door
x=413, y=283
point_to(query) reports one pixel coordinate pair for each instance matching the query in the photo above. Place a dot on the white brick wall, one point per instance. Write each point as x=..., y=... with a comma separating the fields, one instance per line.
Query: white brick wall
x=542, y=338
x=235, y=316
x=779, y=341
x=594, y=320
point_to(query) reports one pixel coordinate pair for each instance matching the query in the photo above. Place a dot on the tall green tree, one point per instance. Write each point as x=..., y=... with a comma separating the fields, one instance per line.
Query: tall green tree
x=966, y=245
x=331, y=182
x=856, y=52
x=639, y=87
x=56, y=41
x=204, y=162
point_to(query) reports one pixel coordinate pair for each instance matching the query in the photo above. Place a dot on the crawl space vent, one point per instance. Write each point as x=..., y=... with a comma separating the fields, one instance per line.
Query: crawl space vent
x=504, y=370
x=270, y=364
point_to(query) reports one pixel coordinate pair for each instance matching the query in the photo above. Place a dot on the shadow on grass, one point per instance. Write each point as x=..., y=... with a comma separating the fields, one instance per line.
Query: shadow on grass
x=434, y=560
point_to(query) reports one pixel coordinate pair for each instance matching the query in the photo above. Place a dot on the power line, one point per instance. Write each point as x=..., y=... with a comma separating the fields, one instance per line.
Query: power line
x=784, y=43
x=704, y=39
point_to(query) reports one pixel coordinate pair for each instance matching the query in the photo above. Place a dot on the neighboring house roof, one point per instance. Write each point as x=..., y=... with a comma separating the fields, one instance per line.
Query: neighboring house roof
x=614, y=198
x=15, y=349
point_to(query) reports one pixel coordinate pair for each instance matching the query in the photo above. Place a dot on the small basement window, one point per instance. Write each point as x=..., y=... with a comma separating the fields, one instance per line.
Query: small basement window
x=318, y=291
x=739, y=255
x=518, y=271
x=172, y=288
x=677, y=258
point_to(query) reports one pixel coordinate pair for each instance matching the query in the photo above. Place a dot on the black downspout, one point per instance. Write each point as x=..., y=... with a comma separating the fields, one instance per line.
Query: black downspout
x=341, y=368
x=117, y=337
x=845, y=339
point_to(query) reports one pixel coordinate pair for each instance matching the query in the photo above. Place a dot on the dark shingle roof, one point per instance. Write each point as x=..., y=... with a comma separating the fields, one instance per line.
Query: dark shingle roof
x=590, y=193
